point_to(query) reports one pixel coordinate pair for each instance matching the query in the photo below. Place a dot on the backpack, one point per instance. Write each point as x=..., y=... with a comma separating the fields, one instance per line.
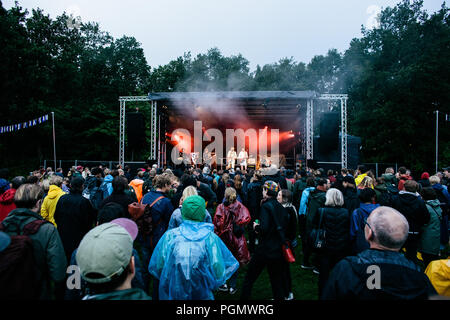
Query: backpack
x=17, y=264
x=142, y=215
x=97, y=195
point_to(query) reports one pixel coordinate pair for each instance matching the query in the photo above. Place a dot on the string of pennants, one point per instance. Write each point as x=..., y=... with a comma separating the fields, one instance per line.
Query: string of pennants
x=23, y=125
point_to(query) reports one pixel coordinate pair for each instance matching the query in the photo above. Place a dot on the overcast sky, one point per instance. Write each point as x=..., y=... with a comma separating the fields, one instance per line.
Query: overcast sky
x=263, y=31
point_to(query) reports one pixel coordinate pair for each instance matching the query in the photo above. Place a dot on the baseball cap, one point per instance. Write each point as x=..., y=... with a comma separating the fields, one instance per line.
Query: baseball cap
x=104, y=253
x=128, y=225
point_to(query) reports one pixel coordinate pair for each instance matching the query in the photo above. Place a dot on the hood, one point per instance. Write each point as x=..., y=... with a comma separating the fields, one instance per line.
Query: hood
x=433, y=203
x=193, y=208
x=108, y=178
x=317, y=194
x=425, y=175
x=20, y=216
x=4, y=185
x=388, y=177
x=438, y=186
x=195, y=231
x=54, y=192
x=380, y=187
x=7, y=197
x=367, y=208
x=136, y=182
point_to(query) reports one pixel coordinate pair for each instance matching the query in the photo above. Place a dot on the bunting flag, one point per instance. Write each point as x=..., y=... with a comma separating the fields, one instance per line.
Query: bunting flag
x=23, y=125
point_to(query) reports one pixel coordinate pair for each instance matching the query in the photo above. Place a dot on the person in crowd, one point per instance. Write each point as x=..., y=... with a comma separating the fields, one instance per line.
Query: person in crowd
x=381, y=191
x=255, y=196
x=366, y=182
x=438, y=272
x=316, y=200
x=49, y=260
x=74, y=216
x=285, y=198
x=310, y=186
x=107, y=264
x=367, y=205
x=409, y=203
x=336, y=223
x=204, y=190
x=111, y=212
x=161, y=210
x=444, y=199
x=402, y=177
x=137, y=184
x=229, y=224
x=51, y=200
x=119, y=185
x=424, y=181
x=59, y=172
x=191, y=261
x=360, y=174
x=351, y=200
x=4, y=183
x=176, y=219
x=430, y=237
x=7, y=198
x=299, y=186
x=331, y=176
x=107, y=182
x=273, y=223
x=381, y=272
x=389, y=177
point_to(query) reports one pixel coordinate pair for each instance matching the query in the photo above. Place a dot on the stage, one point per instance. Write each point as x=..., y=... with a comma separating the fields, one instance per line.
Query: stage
x=284, y=119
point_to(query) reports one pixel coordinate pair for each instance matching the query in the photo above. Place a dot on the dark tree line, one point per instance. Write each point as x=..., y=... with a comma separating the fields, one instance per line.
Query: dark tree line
x=396, y=75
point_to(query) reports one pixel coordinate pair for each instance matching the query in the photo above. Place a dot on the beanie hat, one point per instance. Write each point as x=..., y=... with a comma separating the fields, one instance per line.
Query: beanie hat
x=272, y=188
x=193, y=208
x=425, y=175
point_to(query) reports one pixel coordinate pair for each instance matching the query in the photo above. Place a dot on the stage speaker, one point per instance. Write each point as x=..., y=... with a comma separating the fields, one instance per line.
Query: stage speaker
x=135, y=130
x=329, y=133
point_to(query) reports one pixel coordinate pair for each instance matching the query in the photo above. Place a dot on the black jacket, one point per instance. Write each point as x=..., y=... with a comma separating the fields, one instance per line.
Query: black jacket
x=74, y=216
x=400, y=279
x=336, y=223
x=413, y=208
x=254, y=197
x=351, y=200
x=121, y=198
x=270, y=241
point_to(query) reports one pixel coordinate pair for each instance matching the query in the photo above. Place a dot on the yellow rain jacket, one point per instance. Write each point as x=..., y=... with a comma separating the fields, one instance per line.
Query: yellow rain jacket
x=438, y=272
x=49, y=205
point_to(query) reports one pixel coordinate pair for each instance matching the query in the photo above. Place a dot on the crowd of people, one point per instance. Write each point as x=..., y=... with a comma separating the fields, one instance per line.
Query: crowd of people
x=186, y=233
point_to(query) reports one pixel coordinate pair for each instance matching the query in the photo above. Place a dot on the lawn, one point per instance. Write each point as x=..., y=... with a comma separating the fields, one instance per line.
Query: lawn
x=304, y=283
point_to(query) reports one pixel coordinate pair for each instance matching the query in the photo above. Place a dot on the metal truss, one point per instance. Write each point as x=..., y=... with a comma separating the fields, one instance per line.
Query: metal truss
x=343, y=98
x=309, y=130
x=123, y=101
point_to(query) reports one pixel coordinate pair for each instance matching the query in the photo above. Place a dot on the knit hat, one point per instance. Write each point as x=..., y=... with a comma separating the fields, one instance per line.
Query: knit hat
x=104, y=253
x=272, y=188
x=425, y=175
x=193, y=208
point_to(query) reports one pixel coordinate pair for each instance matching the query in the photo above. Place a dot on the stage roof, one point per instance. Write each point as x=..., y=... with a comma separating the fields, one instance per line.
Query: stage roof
x=233, y=95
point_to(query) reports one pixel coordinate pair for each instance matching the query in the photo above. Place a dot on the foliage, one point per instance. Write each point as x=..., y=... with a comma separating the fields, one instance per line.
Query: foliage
x=396, y=76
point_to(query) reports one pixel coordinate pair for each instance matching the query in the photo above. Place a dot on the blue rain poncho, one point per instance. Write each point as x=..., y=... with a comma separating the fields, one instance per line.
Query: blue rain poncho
x=190, y=262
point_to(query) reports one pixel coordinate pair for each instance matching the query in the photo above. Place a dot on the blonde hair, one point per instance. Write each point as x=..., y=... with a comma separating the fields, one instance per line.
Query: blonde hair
x=334, y=198
x=28, y=195
x=189, y=191
x=46, y=185
x=230, y=195
x=434, y=180
x=56, y=180
x=367, y=182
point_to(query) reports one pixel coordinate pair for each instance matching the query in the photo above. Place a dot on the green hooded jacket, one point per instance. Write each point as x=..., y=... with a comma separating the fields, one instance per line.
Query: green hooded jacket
x=430, y=237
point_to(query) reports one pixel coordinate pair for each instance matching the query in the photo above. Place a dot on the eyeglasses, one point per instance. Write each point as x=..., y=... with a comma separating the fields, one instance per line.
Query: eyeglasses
x=365, y=222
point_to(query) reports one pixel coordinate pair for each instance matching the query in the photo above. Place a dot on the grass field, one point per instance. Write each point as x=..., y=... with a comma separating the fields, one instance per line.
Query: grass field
x=304, y=283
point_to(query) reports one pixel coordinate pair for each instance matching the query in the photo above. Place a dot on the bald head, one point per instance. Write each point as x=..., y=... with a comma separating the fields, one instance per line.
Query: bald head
x=388, y=229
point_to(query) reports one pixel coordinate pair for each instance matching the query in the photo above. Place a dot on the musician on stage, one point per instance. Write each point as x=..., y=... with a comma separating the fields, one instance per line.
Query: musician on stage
x=207, y=158
x=231, y=158
x=243, y=157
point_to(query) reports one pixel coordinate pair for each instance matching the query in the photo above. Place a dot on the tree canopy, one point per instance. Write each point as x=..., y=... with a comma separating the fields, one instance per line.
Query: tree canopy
x=396, y=75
